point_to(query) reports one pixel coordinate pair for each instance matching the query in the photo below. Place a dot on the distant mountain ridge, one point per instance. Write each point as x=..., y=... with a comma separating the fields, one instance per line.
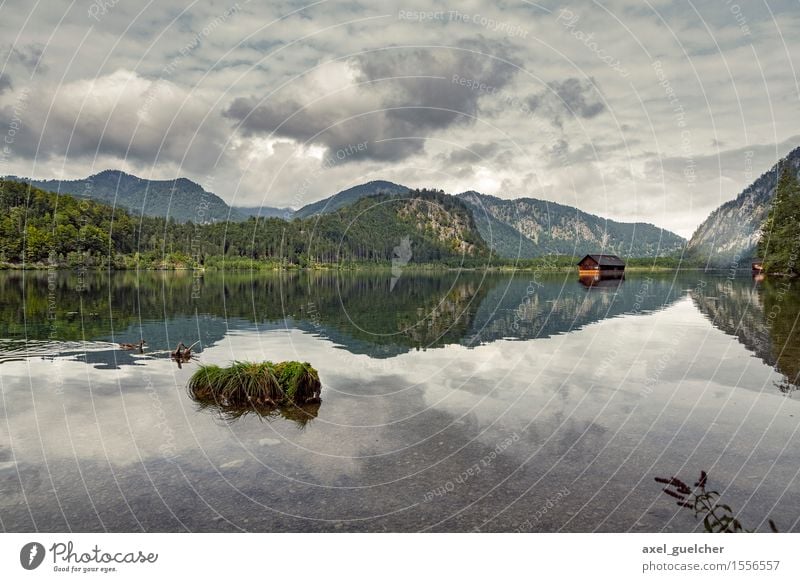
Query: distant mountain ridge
x=349, y=196
x=730, y=234
x=180, y=199
x=520, y=228
x=527, y=228
x=544, y=227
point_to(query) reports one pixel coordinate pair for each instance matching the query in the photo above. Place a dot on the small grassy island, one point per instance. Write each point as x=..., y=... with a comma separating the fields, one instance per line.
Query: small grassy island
x=256, y=386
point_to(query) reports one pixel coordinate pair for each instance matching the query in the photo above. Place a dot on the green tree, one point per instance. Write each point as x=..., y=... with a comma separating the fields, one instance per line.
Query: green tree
x=39, y=244
x=779, y=245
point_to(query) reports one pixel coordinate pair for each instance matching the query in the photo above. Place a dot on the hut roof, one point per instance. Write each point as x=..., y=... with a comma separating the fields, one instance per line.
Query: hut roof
x=605, y=260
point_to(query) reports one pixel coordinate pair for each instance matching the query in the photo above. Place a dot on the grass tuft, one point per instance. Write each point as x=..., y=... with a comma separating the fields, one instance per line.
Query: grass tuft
x=256, y=384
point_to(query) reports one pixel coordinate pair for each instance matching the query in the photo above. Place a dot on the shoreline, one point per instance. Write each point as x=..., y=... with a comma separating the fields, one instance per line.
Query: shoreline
x=421, y=268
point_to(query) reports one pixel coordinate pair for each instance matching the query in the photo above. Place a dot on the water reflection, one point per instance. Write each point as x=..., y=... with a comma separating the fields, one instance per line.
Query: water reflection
x=762, y=315
x=598, y=282
x=536, y=379
x=301, y=415
x=87, y=316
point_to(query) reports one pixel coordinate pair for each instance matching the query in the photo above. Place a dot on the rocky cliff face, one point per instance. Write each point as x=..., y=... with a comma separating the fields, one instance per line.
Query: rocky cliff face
x=453, y=227
x=548, y=228
x=728, y=237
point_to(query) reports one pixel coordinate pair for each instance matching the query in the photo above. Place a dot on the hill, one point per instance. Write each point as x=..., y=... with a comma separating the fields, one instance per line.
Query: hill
x=730, y=234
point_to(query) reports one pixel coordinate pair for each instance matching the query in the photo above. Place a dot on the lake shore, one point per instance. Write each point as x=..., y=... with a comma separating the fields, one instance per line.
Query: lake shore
x=240, y=265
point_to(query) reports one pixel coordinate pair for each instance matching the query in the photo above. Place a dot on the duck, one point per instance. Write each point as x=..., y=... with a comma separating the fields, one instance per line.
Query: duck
x=138, y=346
x=187, y=351
x=178, y=351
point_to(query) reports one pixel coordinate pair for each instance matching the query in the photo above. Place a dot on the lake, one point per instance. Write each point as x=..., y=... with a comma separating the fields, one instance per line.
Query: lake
x=457, y=401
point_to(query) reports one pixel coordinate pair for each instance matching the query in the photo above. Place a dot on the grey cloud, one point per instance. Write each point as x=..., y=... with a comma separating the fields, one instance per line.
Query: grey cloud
x=403, y=96
x=475, y=152
x=573, y=97
x=128, y=119
x=563, y=154
x=5, y=83
x=476, y=60
x=739, y=165
x=29, y=55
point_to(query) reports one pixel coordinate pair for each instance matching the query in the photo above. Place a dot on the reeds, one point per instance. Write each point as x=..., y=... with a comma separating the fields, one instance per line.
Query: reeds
x=252, y=384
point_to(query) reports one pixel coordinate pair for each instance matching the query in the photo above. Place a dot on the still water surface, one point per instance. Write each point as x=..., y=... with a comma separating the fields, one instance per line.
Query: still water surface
x=450, y=402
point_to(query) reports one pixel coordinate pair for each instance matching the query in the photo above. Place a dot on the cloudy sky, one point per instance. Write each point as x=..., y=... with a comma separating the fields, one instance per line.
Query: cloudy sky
x=634, y=110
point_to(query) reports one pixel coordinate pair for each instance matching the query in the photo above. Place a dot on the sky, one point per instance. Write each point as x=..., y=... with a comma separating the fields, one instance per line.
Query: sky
x=642, y=110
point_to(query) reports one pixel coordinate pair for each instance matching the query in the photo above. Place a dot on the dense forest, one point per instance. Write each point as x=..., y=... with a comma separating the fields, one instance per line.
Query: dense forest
x=39, y=227
x=779, y=245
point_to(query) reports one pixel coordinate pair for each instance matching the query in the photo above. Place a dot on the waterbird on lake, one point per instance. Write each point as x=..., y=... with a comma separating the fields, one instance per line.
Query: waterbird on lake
x=138, y=346
x=178, y=351
x=187, y=353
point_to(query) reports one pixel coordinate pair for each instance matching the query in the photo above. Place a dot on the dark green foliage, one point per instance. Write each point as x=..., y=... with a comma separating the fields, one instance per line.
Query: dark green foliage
x=256, y=385
x=779, y=245
x=300, y=382
x=263, y=212
x=38, y=226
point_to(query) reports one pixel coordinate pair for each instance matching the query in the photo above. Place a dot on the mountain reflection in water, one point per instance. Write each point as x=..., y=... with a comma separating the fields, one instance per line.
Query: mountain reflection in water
x=84, y=316
x=565, y=395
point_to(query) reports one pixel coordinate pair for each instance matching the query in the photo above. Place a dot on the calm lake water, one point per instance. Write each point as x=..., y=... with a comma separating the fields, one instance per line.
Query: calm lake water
x=450, y=402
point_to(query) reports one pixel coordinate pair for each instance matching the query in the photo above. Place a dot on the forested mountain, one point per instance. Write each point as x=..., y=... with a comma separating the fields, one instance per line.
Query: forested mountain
x=730, y=234
x=38, y=226
x=522, y=228
x=527, y=228
x=180, y=199
x=548, y=228
x=350, y=196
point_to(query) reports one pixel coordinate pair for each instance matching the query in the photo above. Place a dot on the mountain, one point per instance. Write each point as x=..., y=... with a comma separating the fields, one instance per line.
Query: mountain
x=350, y=196
x=527, y=227
x=539, y=227
x=420, y=227
x=730, y=234
x=180, y=199
x=521, y=228
x=264, y=212
x=505, y=240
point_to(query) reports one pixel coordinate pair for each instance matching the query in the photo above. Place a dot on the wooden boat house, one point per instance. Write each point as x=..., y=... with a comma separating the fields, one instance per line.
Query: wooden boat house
x=601, y=266
x=758, y=266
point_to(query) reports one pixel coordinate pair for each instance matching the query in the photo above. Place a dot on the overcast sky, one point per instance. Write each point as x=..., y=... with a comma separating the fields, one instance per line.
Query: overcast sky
x=640, y=110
